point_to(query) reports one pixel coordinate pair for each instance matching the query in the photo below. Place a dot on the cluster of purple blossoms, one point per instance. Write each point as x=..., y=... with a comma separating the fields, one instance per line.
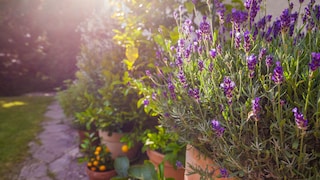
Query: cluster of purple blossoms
x=252, y=62
x=262, y=53
x=285, y=20
x=195, y=93
x=224, y=173
x=315, y=61
x=300, y=121
x=204, y=31
x=210, y=68
x=146, y=102
x=187, y=27
x=277, y=76
x=217, y=128
x=256, y=108
x=253, y=7
x=269, y=61
x=179, y=164
x=200, y=65
x=237, y=40
x=238, y=17
x=247, y=44
x=171, y=90
x=228, y=87
x=182, y=79
x=213, y=53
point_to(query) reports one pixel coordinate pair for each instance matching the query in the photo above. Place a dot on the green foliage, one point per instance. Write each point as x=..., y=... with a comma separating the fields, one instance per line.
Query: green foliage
x=166, y=143
x=137, y=172
x=20, y=122
x=253, y=140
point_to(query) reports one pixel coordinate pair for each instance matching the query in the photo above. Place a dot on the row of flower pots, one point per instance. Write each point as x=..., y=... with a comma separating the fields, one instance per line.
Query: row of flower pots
x=193, y=158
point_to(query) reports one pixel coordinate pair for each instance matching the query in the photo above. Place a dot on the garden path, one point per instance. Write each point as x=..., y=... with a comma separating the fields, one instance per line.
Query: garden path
x=53, y=155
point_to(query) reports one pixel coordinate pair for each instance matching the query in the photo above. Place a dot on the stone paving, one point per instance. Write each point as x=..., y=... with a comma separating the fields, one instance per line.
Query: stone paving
x=53, y=155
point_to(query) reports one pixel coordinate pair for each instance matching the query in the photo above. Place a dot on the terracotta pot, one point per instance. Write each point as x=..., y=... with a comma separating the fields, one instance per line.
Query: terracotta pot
x=114, y=145
x=93, y=175
x=197, y=159
x=169, y=171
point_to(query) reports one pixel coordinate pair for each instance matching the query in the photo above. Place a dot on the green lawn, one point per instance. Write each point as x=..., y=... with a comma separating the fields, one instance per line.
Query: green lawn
x=20, y=119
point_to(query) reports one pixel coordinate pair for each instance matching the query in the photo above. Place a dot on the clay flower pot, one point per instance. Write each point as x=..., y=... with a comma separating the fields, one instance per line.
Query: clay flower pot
x=114, y=145
x=197, y=159
x=169, y=171
x=107, y=175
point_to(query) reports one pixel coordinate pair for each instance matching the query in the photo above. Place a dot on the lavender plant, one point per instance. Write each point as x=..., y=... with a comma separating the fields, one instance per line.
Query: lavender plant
x=248, y=99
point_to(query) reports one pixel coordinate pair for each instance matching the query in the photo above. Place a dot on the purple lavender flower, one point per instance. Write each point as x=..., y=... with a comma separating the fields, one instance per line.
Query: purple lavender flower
x=179, y=61
x=285, y=20
x=190, y=92
x=148, y=73
x=253, y=7
x=154, y=96
x=252, y=62
x=146, y=102
x=300, y=121
x=276, y=28
x=269, y=61
x=228, y=85
x=277, y=76
x=210, y=68
x=262, y=53
x=237, y=40
x=256, y=107
x=224, y=173
x=315, y=61
x=171, y=90
x=205, y=26
x=196, y=94
x=179, y=164
x=247, y=43
x=219, y=49
x=187, y=28
x=217, y=128
x=213, y=53
x=182, y=78
x=200, y=65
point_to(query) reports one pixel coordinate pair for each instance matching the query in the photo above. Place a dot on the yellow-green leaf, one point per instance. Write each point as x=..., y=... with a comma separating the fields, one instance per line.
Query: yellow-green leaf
x=132, y=53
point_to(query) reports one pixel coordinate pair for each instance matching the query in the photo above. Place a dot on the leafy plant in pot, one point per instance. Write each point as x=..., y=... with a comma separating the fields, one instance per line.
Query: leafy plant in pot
x=163, y=147
x=248, y=101
x=73, y=101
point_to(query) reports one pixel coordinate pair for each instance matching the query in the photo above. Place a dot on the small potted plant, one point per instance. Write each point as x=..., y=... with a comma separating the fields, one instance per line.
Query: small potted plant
x=163, y=147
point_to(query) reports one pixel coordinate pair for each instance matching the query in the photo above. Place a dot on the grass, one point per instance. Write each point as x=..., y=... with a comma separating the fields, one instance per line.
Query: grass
x=20, y=119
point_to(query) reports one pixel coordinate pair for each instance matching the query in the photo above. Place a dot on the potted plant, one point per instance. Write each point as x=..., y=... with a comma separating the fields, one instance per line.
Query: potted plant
x=100, y=164
x=249, y=99
x=73, y=101
x=163, y=147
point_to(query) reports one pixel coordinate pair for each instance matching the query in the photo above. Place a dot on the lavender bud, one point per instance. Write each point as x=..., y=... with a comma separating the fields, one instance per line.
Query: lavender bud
x=277, y=76
x=315, y=61
x=228, y=87
x=300, y=121
x=256, y=107
x=217, y=128
x=269, y=61
x=213, y=53
x=251, y=61
x=200, y=65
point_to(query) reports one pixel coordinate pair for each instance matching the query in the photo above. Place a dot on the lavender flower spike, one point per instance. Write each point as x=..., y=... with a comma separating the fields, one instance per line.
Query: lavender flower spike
x=217, y=128
x=256, y=107
x=277, y=76
x=300, y=121
x=228, y=87
x=252, y=62
x=315, y=61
